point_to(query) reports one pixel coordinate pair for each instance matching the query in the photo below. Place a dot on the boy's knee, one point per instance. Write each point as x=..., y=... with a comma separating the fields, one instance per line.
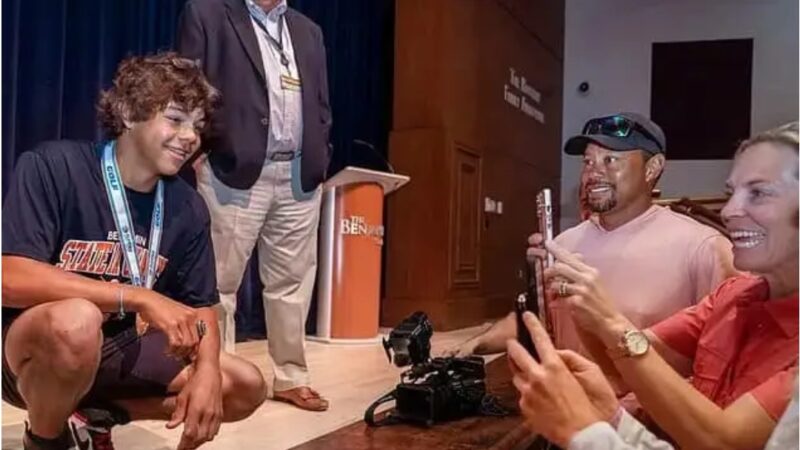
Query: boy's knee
x=247, y=390
x=73, y=335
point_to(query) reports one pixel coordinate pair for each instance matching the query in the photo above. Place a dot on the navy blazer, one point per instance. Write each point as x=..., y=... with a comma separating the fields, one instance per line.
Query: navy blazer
x=220, y=35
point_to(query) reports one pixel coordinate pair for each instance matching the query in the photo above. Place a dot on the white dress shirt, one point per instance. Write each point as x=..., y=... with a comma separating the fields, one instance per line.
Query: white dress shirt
x=285, y=101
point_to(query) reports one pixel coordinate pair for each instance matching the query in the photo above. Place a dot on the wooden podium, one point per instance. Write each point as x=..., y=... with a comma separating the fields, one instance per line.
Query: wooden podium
x=351, y=237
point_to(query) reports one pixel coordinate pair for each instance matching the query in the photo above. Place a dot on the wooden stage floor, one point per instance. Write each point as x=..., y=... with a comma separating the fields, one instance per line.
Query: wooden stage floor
x=350, y=376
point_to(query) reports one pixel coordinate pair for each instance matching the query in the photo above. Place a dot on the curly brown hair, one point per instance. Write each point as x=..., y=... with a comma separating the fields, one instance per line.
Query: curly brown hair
x=145, y=85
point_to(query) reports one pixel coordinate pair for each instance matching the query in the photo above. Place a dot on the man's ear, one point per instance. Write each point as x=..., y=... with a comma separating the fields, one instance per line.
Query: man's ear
x=653, y=168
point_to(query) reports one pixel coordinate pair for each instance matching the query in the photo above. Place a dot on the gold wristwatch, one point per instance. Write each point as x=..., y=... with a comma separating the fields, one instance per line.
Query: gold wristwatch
x=632, y=344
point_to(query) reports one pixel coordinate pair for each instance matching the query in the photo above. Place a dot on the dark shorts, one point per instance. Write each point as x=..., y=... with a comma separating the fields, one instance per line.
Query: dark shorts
x=131, y=366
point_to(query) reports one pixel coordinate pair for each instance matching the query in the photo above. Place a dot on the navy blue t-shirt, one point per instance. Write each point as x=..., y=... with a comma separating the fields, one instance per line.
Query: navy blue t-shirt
x=57, y=211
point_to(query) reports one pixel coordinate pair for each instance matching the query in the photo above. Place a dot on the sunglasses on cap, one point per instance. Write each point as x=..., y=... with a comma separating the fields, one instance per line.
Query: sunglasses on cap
x=617, y=126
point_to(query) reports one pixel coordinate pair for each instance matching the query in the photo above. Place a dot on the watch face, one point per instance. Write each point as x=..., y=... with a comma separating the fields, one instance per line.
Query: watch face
x=637, y=343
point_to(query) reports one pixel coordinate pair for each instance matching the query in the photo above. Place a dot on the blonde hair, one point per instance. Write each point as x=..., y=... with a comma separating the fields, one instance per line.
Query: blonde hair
x=786, y=135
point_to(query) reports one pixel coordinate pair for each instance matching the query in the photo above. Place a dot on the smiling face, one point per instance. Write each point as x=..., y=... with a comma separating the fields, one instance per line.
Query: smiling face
x=613, y=180
x=168, y=139
x=762, y=213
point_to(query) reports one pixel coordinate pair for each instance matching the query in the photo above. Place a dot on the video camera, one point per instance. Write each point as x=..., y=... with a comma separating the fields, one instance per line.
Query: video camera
x=433, y=389
x=410, y=341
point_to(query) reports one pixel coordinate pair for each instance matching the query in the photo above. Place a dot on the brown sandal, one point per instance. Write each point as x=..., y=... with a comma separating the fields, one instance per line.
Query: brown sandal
x=302, y=397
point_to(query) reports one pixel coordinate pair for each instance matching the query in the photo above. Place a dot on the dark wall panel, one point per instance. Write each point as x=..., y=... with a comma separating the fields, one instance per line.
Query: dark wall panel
x=701, y=95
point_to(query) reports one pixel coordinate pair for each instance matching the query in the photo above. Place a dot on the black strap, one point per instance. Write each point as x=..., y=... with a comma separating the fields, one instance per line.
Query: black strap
x=369, y=414
x=491, y=406
x=277, y=43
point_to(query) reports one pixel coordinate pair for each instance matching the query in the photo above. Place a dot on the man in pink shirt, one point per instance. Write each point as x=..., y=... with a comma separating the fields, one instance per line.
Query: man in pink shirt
x=666, y=259
x=738, y=344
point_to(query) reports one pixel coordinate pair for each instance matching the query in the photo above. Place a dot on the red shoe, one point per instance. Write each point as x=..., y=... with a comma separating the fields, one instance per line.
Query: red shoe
x=90, y=434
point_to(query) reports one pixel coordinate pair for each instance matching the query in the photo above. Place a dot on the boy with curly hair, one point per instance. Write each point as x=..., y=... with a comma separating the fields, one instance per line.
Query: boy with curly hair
x=108, y=274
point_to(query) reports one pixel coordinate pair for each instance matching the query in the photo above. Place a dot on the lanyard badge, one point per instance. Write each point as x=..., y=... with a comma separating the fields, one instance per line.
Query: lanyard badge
x=260, y=19
x=122, y=219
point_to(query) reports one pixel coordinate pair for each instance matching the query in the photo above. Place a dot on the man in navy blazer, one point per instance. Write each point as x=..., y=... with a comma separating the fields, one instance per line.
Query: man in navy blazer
x=268, y=152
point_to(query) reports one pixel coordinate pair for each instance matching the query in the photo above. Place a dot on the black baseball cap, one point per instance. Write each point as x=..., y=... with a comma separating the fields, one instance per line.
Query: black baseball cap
x=620, y=132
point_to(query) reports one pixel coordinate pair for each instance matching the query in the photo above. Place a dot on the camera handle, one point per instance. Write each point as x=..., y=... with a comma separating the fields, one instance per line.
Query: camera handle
x=390, y=419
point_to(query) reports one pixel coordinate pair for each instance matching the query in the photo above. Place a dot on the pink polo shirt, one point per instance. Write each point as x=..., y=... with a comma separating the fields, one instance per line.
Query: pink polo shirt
x=740, y=342
x=653, y=266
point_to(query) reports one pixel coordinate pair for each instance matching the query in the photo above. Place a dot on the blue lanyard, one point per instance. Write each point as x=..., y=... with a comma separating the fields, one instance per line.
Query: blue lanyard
x=122, y=219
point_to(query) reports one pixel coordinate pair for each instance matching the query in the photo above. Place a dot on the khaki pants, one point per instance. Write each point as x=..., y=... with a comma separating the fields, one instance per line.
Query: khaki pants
x=285, y=229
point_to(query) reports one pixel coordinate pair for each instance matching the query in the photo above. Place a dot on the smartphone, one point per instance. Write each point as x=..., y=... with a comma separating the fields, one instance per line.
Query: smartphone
x=531, y=300
x=544, y=212
x=523, y=335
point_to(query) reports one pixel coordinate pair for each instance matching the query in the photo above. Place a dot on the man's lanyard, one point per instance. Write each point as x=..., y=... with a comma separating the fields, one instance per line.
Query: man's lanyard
x=122, y=219
x=260, y=19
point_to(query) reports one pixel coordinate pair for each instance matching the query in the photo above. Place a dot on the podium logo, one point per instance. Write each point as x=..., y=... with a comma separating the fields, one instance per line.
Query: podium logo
x=358, y=226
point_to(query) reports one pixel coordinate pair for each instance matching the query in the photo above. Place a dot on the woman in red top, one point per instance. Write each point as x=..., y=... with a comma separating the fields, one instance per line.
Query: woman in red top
x=739, y=344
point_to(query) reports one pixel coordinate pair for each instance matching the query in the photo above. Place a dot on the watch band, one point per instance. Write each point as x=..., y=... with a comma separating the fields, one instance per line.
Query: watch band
x=623, y=348
x=618, y=352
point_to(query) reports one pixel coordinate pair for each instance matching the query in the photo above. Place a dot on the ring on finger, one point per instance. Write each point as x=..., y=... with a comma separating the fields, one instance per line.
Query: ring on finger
x=201, y=328
x=562, y=289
